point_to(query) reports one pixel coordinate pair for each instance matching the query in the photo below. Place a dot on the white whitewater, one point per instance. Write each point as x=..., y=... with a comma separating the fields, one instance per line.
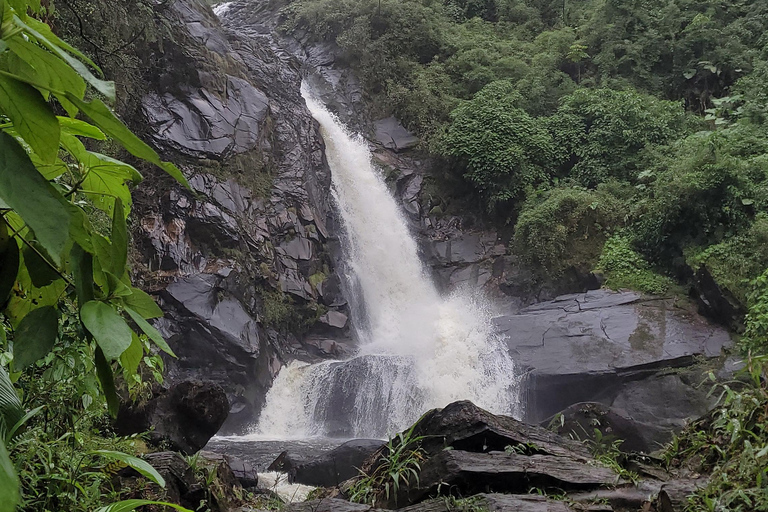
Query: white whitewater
x=418, y=350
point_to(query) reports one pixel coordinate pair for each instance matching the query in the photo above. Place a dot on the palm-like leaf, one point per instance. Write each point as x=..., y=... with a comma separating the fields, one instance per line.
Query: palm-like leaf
x=11, y=410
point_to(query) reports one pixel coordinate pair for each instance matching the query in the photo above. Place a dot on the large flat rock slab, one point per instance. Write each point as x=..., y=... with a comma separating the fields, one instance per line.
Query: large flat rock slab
x=492, y=503
x=614, y=348
x=470, y=473
x=602, y=331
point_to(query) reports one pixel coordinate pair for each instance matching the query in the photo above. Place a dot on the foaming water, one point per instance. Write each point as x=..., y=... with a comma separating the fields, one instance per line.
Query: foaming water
x=278, y=483
x=418, y=350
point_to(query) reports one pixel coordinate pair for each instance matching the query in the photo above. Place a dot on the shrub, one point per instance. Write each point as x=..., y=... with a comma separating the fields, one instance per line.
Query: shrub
x=605, y=131
x=566, y=229
x=624, y=267
x=399, y=464
x=737, y=260
x=731, y=442
x=500, y=149
x=756, y=325
x=707, y=190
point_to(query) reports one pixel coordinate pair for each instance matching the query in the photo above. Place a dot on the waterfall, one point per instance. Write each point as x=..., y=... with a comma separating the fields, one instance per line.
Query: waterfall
x=418, y=350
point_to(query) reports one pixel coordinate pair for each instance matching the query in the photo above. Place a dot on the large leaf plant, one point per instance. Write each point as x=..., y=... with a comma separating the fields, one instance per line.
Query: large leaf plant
x=52, y=188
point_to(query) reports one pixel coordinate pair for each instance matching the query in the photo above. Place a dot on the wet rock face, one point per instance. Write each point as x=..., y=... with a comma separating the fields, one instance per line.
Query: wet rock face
x=618, y=348
x=244, y=262
x=198, y=122
x=185, y=417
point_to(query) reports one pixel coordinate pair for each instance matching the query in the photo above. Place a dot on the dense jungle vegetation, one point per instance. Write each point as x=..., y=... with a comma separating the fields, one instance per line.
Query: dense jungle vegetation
x=636, y=126
x=627, y=137
x=624, y=136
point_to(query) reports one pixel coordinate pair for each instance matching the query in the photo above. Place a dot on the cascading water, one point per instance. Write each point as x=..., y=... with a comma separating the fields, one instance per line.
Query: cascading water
x=418, y=350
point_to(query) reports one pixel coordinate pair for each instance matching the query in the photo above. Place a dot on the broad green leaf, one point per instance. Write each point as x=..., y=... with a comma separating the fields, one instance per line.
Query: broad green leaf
x=80, y=128
x=17, y=5
x=107, y=381
x=35, y=336
x=9, y=482
x=107, y=161
x=39, y=269
x=140, y=465
x=104, y=87
x=105, y=119
x=82, y=271
x=131, y=505
x=107, y=327
x=30, y=298
x=119, y=240
x=31, y=116
x=19, y=424
x=48, y=170
x=34, y=63
x=6, y=14
x=117, y=288
x=143, y=304
x=44, y=29
x=150, y=331
x=106, y=178
x=80, y=229
x=131, y=358
x=9, y=268
x=33, y=198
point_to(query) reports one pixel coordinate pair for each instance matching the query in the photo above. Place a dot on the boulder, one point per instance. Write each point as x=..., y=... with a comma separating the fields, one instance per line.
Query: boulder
x=180, y=480
x=612, y=347
x=673, y=496
x=336, y=466
x=244, y=472
x=468, y=473
x=185, y=416
x=580, y=421
x=464, y=426
x=717, y=302
x=391, y=134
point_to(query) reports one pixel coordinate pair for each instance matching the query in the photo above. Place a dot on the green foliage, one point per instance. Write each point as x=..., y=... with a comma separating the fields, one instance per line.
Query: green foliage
x=624, y=267
x=604, y=132
x=399, y=465
x=565, y=228
x=502, y=149
x=756, y=323
x=65, y=295
x=710, y=186
x=608, y=453
x=731, y=442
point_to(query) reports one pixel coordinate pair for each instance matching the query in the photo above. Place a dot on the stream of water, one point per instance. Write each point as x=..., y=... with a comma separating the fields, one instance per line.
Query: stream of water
x=418, y=349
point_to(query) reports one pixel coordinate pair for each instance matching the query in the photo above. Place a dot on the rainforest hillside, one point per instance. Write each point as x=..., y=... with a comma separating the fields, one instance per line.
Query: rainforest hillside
x=627, y=137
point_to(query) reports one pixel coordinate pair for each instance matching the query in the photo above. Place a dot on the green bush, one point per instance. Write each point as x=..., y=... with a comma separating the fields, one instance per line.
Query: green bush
x=565, y=228
x=708, y=189
x=731, y=443
x=736, y=261
x=756, y=323
x=624, y=267
x=500, y=149
x=605, y=132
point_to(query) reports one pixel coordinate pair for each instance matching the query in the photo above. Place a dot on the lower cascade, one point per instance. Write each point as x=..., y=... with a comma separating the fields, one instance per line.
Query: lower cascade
x=417, y=350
